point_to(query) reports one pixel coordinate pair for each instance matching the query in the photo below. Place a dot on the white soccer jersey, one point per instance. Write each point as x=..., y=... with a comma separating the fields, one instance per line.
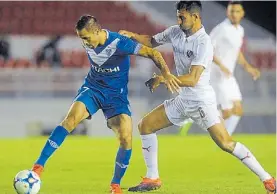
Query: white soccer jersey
x=196, y=49
x=227, y=40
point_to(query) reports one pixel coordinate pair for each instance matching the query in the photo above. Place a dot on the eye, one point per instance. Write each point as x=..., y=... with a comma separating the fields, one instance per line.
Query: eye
x=181, y=18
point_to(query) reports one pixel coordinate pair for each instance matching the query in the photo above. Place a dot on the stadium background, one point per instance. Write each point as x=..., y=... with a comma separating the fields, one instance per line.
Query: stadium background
x=36, y=93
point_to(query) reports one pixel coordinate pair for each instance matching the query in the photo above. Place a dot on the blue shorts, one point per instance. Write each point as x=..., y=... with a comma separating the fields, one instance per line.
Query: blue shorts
x=110, y=102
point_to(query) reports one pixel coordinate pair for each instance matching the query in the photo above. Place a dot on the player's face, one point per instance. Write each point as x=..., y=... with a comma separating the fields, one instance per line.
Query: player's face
x=89, y=38
x=185, y=19
x=235, y=13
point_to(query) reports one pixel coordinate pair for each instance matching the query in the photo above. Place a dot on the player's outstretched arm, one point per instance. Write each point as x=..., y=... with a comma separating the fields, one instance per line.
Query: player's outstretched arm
x=170, y=80
x=187, y=80
x=254, y=72
x=146, y=40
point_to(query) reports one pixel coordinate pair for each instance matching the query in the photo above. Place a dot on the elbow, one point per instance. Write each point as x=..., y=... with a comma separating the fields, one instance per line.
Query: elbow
x=193, y=83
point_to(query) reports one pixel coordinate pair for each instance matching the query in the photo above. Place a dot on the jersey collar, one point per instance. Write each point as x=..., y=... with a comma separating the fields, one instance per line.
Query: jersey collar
x=107, y=33
x=196, y=34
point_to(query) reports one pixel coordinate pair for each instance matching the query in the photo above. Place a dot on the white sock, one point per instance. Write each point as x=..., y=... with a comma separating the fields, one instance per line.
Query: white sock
x=150, y=153
x=231, y=123
x=247, y=158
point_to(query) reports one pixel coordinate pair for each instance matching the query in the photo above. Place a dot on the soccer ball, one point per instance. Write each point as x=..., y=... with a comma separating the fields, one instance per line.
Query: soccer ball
x=27, y=182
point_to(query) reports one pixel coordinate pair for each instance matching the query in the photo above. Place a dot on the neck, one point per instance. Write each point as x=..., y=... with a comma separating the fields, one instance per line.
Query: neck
x=193, y=30
x=234, y=24
x=103, y=37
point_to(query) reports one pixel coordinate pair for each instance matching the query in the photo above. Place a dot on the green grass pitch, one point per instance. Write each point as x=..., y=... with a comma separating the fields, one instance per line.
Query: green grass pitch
x=188, y=165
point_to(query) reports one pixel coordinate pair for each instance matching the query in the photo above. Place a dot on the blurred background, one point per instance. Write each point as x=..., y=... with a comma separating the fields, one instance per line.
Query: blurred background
x=42, y=62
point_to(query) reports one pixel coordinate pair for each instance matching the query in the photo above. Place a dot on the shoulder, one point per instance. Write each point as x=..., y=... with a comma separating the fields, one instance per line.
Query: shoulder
x=173, y=29
x=220, y=27
x=204, y=38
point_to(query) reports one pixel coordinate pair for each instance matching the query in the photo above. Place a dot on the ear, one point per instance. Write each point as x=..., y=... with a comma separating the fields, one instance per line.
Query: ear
x=243, y=13
x=196, y=16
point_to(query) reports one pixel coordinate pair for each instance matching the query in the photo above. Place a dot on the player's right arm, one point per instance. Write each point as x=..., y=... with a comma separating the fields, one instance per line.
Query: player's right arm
x=222, y=67
x=150, y=41
x=215, y=36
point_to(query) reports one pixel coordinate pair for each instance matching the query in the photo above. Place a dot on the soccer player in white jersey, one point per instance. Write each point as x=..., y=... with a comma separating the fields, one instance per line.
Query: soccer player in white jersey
x=227, y=39
x=193, y=55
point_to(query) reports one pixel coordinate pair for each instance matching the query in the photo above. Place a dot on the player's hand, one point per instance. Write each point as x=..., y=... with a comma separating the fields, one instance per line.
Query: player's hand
x=225, y=71
x=171, y=82
x=126, y=33
x=154, y=82
x=254, y=72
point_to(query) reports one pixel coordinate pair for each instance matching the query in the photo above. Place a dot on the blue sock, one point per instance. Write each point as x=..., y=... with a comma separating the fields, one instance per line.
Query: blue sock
x=121, y=164
x=54, y=141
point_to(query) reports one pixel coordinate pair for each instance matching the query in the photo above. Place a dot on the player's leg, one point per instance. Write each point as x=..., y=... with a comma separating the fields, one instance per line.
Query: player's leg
x=155, y=120
x=222, y=138
x=82, y=107
x=122, y=126
x=232, y=122
x=75, y=115
x=235, y=96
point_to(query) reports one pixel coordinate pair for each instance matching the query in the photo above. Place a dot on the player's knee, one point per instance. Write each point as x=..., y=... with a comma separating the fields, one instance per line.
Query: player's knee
x=226, y=114
x=126, y=140
x=227, y=145
x=143, y=128
x=69, y=123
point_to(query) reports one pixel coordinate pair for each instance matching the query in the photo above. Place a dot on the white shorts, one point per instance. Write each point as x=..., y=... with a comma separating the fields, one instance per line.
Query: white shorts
x=202, y=113
x=227, y=91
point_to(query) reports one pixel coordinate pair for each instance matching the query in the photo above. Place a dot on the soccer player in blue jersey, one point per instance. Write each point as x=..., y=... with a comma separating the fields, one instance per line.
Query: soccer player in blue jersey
x=105, y=87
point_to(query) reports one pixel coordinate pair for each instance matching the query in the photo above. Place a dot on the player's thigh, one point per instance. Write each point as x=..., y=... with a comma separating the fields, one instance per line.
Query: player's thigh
x=155, y=120
x=75, y=115
x=203, y=114
x=83, y=106
x=221, y=137
x=122, y=126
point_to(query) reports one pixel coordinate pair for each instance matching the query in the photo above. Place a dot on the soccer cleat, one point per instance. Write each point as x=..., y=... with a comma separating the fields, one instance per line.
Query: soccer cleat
x=270, y=186
x=38, y=169
x=115, y=189
x=147, y=184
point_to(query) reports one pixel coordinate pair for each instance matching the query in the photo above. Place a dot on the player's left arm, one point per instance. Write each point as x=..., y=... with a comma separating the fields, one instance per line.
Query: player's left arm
x=254, y=72
x=187, y=80
x=202, y=57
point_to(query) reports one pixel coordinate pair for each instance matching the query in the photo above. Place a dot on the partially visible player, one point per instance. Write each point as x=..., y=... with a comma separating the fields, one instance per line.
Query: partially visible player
x=227, y=39
x=193, y=55
x=105, y=87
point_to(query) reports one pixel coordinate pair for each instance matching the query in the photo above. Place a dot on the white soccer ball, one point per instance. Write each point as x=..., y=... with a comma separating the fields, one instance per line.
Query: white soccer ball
x=27, y=182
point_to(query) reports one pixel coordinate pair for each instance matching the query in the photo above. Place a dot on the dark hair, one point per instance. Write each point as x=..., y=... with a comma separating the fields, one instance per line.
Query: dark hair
x=235, y=3
x=83, y=21
x=190, y=6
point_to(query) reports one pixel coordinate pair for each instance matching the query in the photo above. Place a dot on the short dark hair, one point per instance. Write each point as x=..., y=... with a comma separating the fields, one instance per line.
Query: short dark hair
x=190, y=6
x=84, y=20
x=235, y=3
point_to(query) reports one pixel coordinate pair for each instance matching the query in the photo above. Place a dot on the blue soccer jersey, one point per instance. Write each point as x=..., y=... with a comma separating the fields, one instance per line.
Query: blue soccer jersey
x=110, y=62
x=105, y=86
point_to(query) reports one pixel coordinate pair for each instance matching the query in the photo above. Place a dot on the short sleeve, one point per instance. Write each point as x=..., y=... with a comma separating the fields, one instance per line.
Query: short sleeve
x=203, y=53
x=128, y=46
x=164, y=37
